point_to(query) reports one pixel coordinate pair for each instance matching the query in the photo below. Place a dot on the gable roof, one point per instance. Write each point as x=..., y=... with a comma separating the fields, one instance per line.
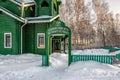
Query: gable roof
x=12, y=14
x=40, y=19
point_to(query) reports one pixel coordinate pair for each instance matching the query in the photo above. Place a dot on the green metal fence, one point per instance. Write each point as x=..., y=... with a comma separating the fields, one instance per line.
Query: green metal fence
x=118, y=56
x=99, y=58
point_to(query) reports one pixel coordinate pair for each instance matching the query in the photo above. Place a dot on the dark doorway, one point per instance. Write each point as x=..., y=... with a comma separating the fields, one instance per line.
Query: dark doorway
x=56, y=46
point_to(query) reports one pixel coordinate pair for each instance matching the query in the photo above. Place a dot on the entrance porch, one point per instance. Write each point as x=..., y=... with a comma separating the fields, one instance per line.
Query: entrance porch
x=56, y=41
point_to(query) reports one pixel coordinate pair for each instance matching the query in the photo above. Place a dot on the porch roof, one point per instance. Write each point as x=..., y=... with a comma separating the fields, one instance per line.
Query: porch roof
x=42, y=19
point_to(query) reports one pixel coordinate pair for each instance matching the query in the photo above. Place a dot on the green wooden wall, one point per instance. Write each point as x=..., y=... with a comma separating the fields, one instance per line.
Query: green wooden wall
x=40, y=28
x=30, y=38
x=52, y=9
x=43, y=10
x=9, y=25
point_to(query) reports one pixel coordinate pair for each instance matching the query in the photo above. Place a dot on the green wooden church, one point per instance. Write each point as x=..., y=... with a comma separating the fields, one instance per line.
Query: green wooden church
x=32, y=26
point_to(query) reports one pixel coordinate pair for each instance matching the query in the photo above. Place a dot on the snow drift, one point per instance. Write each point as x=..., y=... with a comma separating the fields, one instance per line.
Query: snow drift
x=28, y=67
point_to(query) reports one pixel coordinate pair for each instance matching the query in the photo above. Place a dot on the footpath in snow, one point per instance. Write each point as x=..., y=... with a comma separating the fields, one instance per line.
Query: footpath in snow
x=28, y=67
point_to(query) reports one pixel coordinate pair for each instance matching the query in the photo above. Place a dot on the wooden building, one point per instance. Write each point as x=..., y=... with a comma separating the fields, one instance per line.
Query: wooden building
x=32, y=26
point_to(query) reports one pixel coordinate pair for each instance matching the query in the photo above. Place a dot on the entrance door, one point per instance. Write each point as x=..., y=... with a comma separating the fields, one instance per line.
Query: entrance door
x=56, y=46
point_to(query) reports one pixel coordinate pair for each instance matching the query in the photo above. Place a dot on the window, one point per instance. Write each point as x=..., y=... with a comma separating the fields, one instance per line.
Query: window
x=41, y=40
x=44, y=4
x=7, y=40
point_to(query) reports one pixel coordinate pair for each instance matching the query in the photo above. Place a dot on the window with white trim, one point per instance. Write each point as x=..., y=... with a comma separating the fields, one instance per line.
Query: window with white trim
x=7, y=40
x=41, y=40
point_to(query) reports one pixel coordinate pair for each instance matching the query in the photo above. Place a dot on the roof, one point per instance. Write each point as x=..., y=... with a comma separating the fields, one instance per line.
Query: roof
x=59, y=0
x=26, y=2
x=42, y=19
x=12, y=14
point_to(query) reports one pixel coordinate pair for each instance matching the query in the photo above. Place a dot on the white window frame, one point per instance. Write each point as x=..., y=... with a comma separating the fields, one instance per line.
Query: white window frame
x=5, y=40
x=37, y=39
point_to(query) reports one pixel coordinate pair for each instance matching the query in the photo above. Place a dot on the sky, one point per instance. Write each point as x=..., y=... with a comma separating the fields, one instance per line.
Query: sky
x=114, y=5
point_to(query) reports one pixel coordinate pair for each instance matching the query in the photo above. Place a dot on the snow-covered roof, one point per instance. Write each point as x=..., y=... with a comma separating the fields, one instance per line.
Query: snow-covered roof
x=11, y=14
x=26, y=2
x=42, y=19
x=58, y=0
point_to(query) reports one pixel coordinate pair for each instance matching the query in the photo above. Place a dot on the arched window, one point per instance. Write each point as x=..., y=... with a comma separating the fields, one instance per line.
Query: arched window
x=44, y=4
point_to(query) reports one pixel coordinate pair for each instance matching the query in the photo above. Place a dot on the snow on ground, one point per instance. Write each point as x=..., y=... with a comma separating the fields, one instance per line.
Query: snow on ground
x=15, y=59
x=94, y=52
x=28, y=67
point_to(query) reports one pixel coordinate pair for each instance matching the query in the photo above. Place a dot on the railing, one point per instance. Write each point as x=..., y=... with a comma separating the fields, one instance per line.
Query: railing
x=118, y=56
x=99, y=58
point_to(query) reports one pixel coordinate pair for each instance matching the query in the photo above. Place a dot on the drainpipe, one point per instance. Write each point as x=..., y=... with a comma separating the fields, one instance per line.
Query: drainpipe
x=22, y=34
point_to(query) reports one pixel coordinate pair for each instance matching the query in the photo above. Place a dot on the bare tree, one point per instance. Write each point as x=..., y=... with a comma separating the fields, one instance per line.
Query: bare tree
x=101, y=10
x=87, y=32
